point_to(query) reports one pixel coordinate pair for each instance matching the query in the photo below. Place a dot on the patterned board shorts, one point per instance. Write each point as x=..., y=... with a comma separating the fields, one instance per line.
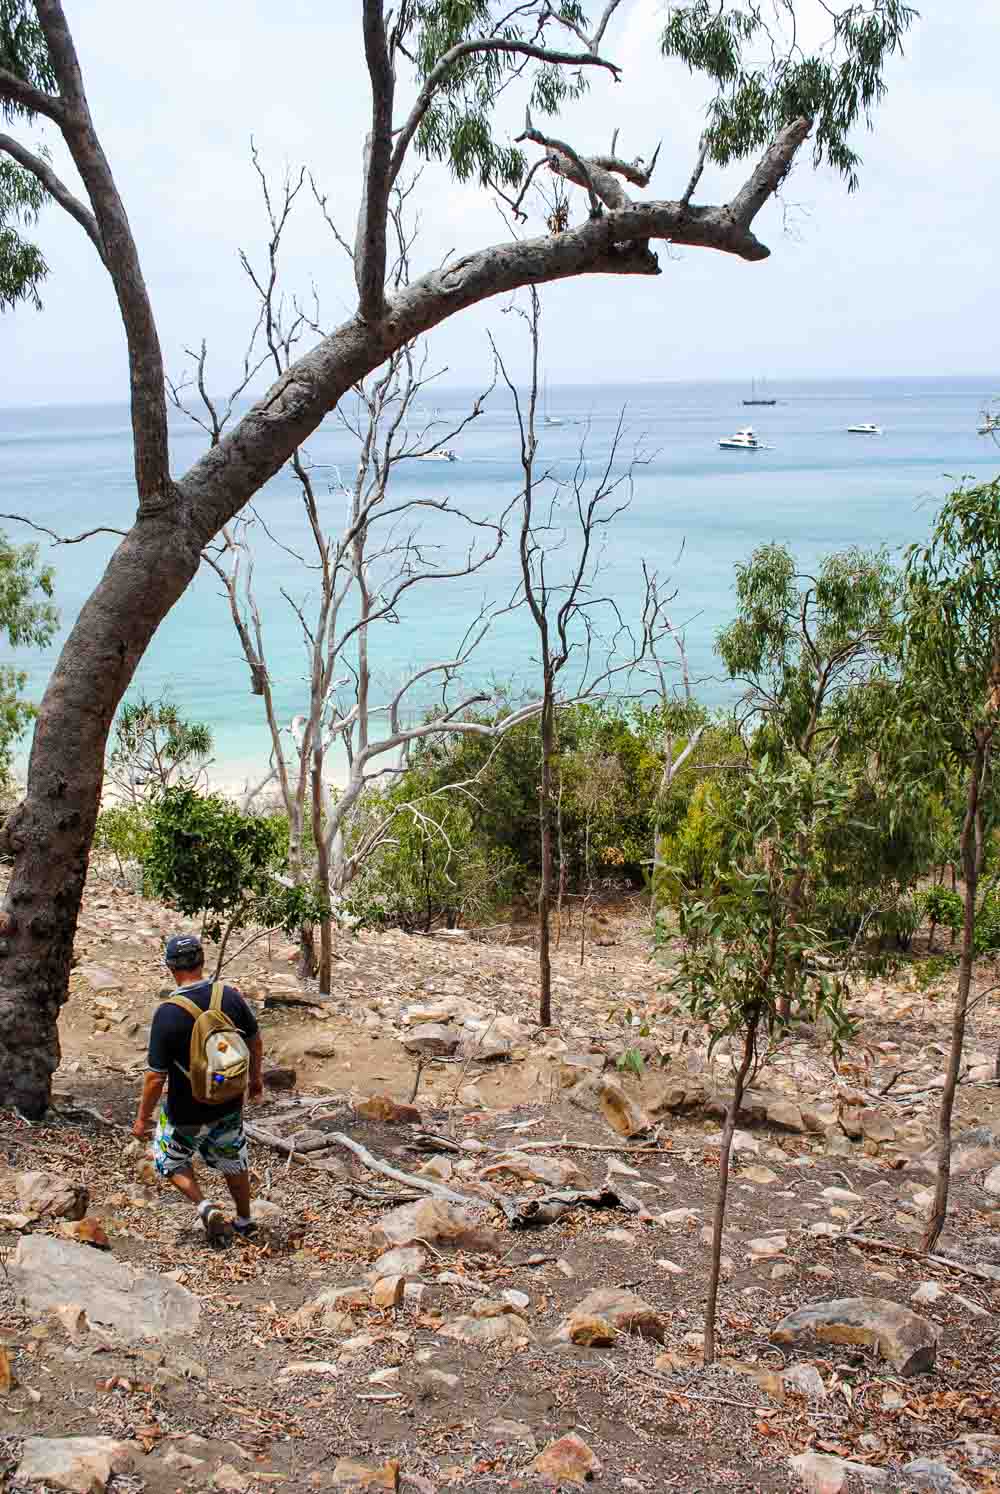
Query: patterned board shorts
x=222, y=1146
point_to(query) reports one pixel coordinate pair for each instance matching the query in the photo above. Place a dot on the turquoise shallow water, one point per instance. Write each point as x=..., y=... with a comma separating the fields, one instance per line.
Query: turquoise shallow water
x=817, y=489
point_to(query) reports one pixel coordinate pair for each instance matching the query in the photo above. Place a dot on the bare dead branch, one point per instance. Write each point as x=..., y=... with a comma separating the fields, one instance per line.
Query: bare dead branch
x=59, y=539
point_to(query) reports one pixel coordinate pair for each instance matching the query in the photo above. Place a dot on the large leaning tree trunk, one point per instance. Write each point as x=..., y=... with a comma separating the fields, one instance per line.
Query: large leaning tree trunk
x=459, y=71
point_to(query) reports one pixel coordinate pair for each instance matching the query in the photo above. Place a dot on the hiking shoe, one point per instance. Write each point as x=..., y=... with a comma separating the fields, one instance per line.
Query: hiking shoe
x=215, y=1225
x=245, y=1231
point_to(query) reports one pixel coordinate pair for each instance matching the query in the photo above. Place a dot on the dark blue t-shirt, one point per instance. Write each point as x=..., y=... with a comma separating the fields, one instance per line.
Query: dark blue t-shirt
x=170, y=1050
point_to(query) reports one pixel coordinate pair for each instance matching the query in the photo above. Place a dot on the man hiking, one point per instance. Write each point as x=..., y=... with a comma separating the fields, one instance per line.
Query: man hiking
x=205, y=1046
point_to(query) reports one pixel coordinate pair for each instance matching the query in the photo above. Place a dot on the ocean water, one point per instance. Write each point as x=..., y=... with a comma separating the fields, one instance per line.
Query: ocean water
x=695, y=512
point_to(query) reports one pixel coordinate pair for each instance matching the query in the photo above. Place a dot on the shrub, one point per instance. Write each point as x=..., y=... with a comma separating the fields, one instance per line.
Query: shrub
x=123, y=831
x=942, y=908
x=988, y=923
x=214, y=862
x=430, y=871
x=693, y=855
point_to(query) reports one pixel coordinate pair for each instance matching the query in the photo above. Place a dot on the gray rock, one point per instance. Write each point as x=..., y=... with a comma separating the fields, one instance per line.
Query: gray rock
x=507, y=1328
x=47, y=1274
x=786, y=1115
x=821, y=1473
x=971, y=1150
x=929, y=1477
x=433, y=1039
x=681, y=1097
x=484, y=1047
x=877, y=1127
x=981, y=1448
x=433, y=1384
x=432, y=1222
x=322, y=1047
x=805, y=1379
x=624, y=1311
x=554, y=1172
x=602, y=1095
x=927, y=1293
x=409, y=1260
x=78, y=1465
x=907, y=1341
x=183, y=1462
x=991, y=1182
x=48, y=1195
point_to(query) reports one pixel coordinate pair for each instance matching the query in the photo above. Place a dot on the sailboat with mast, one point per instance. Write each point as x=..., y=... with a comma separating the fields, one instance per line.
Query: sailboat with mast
x=758, y=399
x=547, y=419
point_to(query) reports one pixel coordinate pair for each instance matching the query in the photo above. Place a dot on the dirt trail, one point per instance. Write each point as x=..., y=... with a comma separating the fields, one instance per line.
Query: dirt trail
x=458, y=1415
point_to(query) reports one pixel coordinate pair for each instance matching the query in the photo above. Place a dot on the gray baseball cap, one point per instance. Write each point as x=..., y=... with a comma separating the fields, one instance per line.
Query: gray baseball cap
x=184, y=952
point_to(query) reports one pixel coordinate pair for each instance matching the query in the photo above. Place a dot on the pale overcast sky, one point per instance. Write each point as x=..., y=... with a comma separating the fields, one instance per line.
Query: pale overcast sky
x=899, y=278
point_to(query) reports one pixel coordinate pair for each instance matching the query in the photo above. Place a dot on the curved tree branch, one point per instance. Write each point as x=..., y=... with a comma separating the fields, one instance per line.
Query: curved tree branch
x=33, y=100
x=149, y=404
x=369, y=250
x=219, y=484
x=770, y=171
x=56, y=189
x=443, y=67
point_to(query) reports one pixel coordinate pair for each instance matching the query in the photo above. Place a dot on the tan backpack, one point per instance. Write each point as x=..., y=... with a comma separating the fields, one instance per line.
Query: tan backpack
x=220, y=1059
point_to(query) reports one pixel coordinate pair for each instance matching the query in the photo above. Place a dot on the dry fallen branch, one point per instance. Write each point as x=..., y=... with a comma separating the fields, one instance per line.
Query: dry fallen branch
x=375, y=1164
x=923, y=1255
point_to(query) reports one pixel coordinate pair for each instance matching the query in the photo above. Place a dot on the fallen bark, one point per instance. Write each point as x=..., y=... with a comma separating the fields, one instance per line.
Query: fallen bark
x=534, y=1213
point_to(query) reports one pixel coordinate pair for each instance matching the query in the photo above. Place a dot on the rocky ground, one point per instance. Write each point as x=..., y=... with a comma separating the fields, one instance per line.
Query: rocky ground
x=379, y=1336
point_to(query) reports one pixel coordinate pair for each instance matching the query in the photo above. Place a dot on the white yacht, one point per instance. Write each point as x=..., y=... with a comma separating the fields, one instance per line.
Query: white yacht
x=864, y=429
x=744, y=440
x=443, y=454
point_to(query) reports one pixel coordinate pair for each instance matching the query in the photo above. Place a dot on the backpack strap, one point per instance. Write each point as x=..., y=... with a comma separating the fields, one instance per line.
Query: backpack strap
x=218, y=991
x=193, y=1010
x=185, y=1005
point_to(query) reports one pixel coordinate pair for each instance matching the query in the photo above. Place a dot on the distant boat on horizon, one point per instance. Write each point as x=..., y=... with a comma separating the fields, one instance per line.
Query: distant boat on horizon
x=758, y=399
x=864, y=428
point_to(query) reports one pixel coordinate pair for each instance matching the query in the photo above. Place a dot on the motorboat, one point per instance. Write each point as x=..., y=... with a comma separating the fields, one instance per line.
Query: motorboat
x=443, y=454
x=552, y=420
x=864, y=428
x=744, y=440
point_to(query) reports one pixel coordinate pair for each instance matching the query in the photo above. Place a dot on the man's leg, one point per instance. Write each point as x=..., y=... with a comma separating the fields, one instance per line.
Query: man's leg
x=238, y=1184
x=225, y=1149
x=173, y=1154
x=185, y=1182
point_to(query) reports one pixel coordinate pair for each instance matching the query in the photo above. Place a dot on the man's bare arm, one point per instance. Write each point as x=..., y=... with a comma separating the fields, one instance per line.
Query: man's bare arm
x=256, y=1088
x=152, y=1091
